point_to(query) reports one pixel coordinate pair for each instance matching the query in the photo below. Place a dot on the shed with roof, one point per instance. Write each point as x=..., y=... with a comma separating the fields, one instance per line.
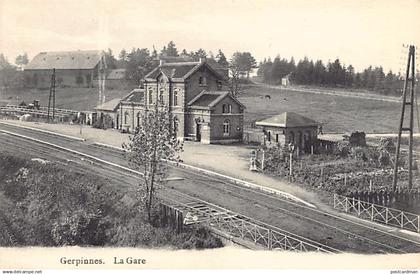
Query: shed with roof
x=290, y=128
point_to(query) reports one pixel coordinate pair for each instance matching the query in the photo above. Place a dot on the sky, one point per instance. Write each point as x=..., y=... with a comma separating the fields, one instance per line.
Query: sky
x=358, y=32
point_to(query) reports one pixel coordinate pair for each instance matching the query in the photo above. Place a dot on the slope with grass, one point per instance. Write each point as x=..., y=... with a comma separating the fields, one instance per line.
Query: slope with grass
x=337, y=113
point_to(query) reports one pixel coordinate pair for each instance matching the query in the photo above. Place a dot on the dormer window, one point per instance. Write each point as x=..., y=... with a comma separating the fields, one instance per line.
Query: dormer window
x=202, y=81
x=219, y=85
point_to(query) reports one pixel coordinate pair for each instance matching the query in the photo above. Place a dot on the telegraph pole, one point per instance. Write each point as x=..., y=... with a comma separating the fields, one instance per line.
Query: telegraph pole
x=407, y=102
x=51, y=97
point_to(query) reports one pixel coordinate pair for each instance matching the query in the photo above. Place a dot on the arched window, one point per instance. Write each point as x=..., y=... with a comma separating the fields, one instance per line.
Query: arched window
x=229, y=110
x=161, y=95
x=223, y=108
x=175, y=97
x=125, y=117
x=226, y=127
x=138, y=119
x=150, y=96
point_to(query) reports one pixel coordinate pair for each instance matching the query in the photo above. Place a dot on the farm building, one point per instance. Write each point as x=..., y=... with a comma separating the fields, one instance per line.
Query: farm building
x=73, y=68
x=116, y=79
x=290, y=128
x=194, y=93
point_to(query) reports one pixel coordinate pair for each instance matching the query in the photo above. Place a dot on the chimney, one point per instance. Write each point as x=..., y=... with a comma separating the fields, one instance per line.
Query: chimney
x=202, y=60
x=161, y=62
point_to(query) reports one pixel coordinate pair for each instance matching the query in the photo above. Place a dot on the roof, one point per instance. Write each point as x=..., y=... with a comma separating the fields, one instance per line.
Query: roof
x=80, y=59
x=287, y=120
x=116, y=74
x=135, y=96
x=110, y=105
x=180, y=70
x=209, y=99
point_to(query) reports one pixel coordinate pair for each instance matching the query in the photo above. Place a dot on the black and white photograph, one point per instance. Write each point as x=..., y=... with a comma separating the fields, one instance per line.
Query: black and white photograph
x=209, y=134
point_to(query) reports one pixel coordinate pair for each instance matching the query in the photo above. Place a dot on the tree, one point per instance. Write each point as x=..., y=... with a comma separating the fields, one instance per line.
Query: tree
x=152, y=143
x=221, y=59
x=200, y=53
x=22, y=60
x=110, y=60
x=170, y=50
x=7, y=73
x=243, y=62
x=139, y=63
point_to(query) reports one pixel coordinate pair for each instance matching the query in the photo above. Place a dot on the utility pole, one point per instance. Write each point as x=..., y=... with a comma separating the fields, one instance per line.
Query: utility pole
x=51, y=97
x=406, y=102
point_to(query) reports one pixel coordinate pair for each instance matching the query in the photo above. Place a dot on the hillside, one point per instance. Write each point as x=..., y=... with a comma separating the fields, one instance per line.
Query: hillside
x=338, y=112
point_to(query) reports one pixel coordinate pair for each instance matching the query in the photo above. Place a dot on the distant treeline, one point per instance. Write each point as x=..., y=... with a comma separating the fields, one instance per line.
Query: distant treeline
x=335, y=74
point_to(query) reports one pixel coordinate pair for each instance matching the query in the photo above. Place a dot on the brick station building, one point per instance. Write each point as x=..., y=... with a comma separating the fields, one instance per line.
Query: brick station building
x=195, y=93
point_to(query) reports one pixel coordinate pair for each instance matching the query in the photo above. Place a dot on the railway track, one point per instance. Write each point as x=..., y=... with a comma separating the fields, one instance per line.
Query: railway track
x=362, y=235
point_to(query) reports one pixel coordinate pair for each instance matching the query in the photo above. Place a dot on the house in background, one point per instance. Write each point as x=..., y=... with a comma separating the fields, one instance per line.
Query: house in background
x=290, y=128
x=73, y=68
x=285, y=81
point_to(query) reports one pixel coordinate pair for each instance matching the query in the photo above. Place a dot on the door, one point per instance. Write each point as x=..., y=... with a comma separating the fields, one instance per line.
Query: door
x=198, y=133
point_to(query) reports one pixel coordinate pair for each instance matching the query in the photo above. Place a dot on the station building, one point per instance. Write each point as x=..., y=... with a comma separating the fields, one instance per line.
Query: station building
x=195, y=94
x=290, y=128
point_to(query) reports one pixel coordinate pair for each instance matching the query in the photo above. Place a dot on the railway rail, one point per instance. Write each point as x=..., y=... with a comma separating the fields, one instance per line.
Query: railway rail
x=361, y=235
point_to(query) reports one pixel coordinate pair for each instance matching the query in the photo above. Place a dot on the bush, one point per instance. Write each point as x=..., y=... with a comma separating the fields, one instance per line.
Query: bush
x=48, y=205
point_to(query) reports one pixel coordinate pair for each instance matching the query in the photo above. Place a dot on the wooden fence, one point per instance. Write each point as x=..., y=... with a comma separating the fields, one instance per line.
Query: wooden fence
x=377, y=213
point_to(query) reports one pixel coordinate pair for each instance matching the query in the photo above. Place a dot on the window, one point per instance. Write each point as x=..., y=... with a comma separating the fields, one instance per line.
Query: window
x=269, y=136
x=125, y=117
x=175, y=97
x=202, y=81
x=226, y=108
x=226, y=127
x=138, y=119
x=150, y=96
x=161, y=95
x=219, y=85
x=277, y=138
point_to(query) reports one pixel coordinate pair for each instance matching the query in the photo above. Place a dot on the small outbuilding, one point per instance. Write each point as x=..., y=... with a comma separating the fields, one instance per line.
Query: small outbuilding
x=290, y=128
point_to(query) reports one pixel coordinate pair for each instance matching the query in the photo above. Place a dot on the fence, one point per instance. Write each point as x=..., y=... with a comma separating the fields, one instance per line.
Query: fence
x=242, y=227
x=377, y=213
x=402, y=199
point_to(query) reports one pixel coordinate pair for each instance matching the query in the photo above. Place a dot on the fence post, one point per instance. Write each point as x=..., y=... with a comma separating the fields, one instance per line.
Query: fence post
x=358, y=207
x=386, y=215
x=373, y=207
x=335, y=195
x=402, y=219
x=347, y=206
x=418, y=224
x=270, y=239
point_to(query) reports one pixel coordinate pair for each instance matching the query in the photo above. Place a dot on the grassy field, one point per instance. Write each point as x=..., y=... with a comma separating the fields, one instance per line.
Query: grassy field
x=336, y=113
x=69, y=98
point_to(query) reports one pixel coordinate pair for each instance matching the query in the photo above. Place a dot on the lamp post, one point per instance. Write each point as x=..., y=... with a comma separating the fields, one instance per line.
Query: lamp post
x=291, y=150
